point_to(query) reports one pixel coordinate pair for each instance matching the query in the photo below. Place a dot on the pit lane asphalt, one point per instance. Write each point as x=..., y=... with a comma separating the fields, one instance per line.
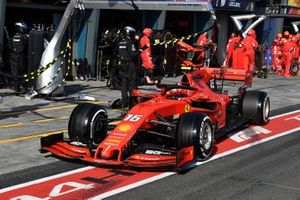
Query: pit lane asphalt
x=228, y=177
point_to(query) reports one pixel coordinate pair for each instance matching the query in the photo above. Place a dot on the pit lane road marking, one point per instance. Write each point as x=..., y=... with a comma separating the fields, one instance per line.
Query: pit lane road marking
x=140, y=178
x=49, y=119
x=33, y=136
x=46, y=109
x=11, y=125
x=39, y=135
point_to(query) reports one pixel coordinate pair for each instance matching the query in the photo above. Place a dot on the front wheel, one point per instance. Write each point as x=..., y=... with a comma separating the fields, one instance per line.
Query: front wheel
x=195, y=129
x=88, y=122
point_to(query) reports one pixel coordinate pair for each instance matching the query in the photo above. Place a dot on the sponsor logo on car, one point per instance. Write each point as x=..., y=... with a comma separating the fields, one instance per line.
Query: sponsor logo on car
x=156, y=152
x=114, y=141
x=125, y=127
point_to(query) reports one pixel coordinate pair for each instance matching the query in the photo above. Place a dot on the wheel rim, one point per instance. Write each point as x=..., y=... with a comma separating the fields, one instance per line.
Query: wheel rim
x=266, y=109
x=205, y=138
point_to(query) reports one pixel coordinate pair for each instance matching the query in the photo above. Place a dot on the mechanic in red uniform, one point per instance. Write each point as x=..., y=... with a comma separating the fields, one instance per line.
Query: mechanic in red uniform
x=146, y=55
x=298, y=42
x=289, y=54
x=250, y=44
x=286, y=35
x=277, y=53
x=203, y=42
x=233, y=41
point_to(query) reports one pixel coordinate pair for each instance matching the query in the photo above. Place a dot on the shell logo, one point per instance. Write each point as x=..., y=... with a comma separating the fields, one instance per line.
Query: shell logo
x=125, y=127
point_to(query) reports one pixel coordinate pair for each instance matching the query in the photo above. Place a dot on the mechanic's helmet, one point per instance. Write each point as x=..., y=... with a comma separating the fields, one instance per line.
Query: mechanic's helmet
x=129, y=31
x=21, y=27
x=147, y=31
x=279, y=35
x=286, y=34
x=252, y=33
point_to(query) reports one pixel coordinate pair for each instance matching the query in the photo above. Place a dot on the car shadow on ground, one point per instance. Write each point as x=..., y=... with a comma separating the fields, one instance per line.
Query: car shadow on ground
x=19, y=110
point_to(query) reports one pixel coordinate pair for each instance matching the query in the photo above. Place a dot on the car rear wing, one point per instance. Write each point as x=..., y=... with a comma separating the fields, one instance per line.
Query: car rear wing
x=225, y=74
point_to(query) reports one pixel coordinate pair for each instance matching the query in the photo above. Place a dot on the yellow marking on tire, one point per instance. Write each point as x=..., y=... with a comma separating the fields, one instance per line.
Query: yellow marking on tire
x=28, y=137
x=49, y=119
x=11, y=125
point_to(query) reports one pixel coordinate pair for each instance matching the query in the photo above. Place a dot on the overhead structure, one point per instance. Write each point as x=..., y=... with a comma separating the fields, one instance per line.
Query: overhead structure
x=296, y=26
x=259, y=18
x=49, y=80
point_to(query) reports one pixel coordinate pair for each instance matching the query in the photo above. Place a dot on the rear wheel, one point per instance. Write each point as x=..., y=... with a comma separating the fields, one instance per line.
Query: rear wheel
x=88, y=122
x=195, y=129
x=256, y=107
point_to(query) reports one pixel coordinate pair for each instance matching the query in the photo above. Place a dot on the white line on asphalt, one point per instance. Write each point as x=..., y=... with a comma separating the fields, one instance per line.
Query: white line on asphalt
x=166, y=174
x=152, y=179
x=284, y=114
x=45, y=179
x=133, y=185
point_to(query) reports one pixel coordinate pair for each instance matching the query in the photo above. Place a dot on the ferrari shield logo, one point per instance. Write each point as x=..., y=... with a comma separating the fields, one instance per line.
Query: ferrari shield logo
x=187, y=108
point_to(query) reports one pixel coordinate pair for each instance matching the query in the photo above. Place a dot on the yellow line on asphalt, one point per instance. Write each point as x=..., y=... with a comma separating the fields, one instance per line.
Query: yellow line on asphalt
x=55, y=108
x=11, y=125
x=28, y=137
x=39, y=135
x=46, y=109
x=49, y=119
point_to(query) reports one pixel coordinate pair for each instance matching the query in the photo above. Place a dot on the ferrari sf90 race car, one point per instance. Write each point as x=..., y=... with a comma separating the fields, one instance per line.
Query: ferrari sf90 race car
x=173, y=127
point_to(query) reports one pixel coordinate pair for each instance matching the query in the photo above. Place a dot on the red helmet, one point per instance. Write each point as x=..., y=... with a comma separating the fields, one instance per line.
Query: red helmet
x=251, y=33
x=147, y=31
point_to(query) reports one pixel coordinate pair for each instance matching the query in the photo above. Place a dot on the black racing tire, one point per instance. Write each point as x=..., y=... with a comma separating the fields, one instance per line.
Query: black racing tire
x=88, y=122
x=195, y=129
x=294, y=69
x=256, y=107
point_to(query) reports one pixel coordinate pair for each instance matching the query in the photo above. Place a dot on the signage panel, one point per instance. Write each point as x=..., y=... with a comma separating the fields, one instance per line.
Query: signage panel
x=294, y=3
x=238, y=5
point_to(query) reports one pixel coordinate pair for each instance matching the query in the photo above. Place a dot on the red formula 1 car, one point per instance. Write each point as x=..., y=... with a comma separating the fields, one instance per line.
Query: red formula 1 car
x=173, y=127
